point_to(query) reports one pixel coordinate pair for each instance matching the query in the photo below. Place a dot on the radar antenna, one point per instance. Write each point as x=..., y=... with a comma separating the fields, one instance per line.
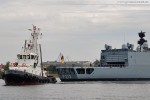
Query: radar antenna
x=142, y=40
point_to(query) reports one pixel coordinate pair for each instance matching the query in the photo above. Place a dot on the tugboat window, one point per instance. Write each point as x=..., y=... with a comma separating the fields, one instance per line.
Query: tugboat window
x=89, y=70
x=28, y=56
x=35, y=64
x=24, y=56
x=35, y=57
x=80, y=70
x=32, y=56
x=20, y=56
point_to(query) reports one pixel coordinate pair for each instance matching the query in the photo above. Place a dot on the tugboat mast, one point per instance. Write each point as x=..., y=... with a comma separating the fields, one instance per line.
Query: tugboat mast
x=41, y=59
x=34, y=37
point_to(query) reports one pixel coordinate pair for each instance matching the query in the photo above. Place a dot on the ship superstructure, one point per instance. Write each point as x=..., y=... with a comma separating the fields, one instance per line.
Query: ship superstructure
x=29, y=58
x=115, y=64
x=28, y=68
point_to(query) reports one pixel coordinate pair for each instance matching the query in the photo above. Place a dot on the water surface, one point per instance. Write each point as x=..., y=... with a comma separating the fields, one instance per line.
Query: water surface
x=133, y=90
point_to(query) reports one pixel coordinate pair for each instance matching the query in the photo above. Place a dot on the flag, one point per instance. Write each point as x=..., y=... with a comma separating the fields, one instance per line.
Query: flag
x=62, y=59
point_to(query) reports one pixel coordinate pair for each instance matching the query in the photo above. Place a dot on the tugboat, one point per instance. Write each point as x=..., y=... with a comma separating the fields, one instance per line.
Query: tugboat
x=123, y=64
x=28, y=70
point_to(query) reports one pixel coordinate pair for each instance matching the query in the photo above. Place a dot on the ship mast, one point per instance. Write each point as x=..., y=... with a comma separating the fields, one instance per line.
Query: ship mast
x=34, y=37
x=33, y=45
x=141, y=40
x=41, y=59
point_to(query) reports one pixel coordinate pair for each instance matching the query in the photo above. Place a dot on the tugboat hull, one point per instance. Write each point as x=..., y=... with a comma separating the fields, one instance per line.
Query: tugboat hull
x=13, y=77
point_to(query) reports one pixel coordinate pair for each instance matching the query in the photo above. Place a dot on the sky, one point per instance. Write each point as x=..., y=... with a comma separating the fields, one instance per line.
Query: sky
x=77, y=28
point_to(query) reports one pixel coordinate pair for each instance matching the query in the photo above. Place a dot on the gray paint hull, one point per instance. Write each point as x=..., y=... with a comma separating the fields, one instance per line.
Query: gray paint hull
x=109, y=74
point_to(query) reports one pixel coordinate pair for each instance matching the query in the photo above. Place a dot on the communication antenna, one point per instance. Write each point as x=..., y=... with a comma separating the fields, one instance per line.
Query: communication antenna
x=141, y=40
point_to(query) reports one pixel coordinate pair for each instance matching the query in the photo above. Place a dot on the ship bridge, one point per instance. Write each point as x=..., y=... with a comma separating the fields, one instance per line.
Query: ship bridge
x=114, y=57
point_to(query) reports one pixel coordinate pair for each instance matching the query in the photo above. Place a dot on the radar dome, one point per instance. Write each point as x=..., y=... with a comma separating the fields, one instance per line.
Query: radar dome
x=145, y=46
x=124, y=46
x=108, y=47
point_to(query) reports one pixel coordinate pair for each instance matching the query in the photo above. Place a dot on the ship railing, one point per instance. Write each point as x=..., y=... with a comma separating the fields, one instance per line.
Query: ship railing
x=113, y=65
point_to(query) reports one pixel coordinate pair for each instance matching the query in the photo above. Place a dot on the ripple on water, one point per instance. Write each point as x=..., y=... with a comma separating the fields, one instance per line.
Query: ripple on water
x=98, y=90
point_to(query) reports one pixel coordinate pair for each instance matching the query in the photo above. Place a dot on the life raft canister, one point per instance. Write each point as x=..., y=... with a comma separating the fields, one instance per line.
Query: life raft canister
x=14, y=64
x=24, y=65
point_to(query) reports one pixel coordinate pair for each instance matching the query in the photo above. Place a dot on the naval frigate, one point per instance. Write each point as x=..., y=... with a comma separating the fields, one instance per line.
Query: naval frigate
x=124, y=64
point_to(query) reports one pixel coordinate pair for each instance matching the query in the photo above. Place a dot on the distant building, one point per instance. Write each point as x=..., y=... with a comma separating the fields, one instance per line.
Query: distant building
x=1, y=67
x=68, y=63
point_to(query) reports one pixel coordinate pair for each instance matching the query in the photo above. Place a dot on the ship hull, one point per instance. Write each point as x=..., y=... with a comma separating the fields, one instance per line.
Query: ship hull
x=14, y=77
x=130, y=73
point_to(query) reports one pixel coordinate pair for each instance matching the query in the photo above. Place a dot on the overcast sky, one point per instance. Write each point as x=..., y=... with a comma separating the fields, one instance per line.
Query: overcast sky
x=77, y=28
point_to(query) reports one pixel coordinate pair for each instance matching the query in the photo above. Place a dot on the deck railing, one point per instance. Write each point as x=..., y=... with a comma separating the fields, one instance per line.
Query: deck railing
x=113, y=65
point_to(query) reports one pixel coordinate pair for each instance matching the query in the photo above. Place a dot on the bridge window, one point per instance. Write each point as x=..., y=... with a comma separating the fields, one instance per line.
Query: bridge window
x=89, y=70
x=80, y=70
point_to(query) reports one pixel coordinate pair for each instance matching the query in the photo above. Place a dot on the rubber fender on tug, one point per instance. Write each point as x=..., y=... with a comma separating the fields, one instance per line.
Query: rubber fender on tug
x=46, y=80
x=53, y=79
x=43, y=81
x=30, y=77
x=49, y=80
x=39, y=80
x=26, y=76
x=34, y=77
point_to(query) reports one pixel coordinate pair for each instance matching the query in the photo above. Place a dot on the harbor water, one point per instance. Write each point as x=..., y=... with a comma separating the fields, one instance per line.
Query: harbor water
x=96, y=90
